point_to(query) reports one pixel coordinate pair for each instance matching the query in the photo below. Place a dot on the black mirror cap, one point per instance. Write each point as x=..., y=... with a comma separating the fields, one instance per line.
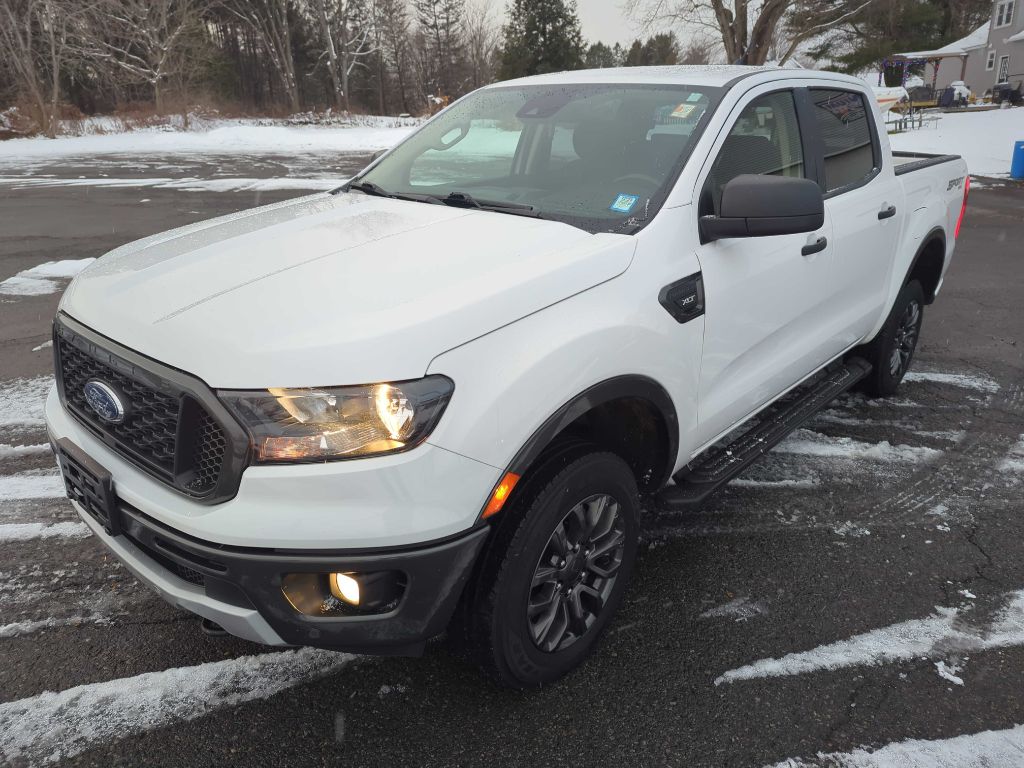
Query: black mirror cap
x=757, y=206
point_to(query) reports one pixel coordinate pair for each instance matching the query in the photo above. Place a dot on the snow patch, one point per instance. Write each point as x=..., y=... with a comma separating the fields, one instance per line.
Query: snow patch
x=28, y=485
x=41, y=280
x=967, y=381
x=917, y=638
x=56, y=726
x=745, y=483
x=850, y=528
x=12, y=451
x=988, y=749
x=739, y=609
x=18, y=628
x=1014, y=461
x=44, y=345
x=948, y=672
x=21, y=401
x=27, y=531
x=804, y=442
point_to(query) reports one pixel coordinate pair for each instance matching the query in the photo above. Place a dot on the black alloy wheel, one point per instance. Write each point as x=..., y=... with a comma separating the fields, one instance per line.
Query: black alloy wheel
x=576, y=573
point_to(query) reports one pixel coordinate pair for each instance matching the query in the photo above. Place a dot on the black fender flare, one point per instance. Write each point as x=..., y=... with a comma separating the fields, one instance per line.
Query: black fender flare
x=936, y=234
x=616, y=388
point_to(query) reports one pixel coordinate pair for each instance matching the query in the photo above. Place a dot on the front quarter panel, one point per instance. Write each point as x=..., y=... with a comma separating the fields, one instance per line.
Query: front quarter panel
x=509, y=382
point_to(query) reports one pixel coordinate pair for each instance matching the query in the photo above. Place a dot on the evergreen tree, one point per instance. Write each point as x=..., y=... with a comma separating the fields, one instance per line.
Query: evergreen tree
x=541, y=36
x=599, y=56
x=441, y=24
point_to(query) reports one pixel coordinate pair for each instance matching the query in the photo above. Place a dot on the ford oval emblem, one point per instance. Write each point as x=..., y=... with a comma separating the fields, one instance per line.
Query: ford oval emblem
x=105, y=401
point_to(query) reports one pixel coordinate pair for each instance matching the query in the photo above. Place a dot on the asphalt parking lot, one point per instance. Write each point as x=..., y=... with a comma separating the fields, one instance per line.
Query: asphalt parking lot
x=861, y=586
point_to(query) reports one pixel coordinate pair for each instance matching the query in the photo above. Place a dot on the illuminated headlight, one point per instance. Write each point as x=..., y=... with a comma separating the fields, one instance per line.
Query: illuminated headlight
x=340, y=422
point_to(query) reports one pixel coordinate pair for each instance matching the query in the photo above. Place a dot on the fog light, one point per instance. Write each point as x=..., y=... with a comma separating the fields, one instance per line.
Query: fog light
x=345, y=588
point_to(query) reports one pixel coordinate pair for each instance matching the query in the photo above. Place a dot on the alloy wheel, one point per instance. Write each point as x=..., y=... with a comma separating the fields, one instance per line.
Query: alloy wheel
x=905, y=339
x=576, y=573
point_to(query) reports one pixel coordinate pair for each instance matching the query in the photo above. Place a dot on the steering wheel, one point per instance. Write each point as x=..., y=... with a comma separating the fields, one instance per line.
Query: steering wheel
x=640, y=177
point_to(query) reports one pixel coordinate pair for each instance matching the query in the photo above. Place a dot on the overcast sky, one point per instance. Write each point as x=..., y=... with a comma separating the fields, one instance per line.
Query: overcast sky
x=604, y=20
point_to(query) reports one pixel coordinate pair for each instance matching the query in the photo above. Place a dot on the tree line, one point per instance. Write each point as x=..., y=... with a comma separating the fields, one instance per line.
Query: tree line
x=404, y=56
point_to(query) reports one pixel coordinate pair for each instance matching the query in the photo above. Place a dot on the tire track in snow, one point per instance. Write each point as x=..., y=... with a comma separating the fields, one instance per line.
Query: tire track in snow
x=55, y=726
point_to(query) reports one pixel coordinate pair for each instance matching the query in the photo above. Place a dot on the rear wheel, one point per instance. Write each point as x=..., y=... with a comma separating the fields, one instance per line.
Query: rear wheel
x=545, y=597
x=892, y=351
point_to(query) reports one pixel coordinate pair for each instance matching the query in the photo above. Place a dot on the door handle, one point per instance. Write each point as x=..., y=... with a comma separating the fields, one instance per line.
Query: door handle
x=887, y=213
x=817, y=246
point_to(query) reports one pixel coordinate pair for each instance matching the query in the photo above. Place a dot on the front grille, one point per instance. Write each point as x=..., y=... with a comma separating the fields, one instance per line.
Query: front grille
x=151, y=425
x=168, y=428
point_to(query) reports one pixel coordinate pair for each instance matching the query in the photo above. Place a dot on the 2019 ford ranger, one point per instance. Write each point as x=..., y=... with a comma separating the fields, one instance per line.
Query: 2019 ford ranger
x=437, y=397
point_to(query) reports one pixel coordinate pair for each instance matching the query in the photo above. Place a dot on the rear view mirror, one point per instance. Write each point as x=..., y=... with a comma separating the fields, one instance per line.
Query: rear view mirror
x=756, y=206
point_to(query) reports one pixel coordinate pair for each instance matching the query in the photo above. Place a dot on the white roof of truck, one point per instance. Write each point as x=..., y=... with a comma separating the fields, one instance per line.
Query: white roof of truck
x=715, y=75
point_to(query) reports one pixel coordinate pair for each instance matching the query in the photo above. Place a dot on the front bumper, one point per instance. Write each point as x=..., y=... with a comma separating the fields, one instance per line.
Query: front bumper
x=240, y=588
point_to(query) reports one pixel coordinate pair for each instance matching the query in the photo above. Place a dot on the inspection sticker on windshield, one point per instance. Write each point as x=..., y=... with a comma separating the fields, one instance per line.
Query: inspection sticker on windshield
x=624, y=203
x=683, y=110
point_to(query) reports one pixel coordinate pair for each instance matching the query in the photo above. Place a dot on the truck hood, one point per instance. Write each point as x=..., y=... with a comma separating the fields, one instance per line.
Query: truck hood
x=334, y=289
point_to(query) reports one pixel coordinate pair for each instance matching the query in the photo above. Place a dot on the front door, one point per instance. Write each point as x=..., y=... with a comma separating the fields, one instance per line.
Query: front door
x=766, y=302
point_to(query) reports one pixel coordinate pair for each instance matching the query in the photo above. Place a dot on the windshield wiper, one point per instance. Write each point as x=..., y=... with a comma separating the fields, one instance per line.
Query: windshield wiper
x=463, y=200
x=369, y=188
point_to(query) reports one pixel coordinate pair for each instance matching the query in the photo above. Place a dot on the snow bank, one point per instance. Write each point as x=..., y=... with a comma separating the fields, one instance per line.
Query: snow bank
x=984, y=139
x=228, y=139
x=236, y=184
x=55, y=726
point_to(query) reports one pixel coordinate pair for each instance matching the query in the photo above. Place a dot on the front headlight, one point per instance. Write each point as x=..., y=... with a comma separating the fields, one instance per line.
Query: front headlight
x=340, y=422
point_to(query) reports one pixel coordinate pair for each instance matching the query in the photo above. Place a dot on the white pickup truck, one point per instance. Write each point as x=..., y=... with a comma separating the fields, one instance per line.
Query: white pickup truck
x=438, y=397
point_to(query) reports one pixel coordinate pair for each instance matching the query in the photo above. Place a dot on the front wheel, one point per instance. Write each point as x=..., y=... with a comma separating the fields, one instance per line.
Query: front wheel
x=551, y=591
x=892, y=350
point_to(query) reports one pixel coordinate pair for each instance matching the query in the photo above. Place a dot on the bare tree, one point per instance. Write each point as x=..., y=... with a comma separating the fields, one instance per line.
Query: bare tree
x=269, y=20
x=34, y=43
x=391, y=21
x=482, y=36
x=346, y=43
x=144, y=41
x=748, y=28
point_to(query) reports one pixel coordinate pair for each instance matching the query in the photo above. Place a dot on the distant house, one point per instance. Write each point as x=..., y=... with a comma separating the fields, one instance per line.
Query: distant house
x=993, y=53
x=1002, y=60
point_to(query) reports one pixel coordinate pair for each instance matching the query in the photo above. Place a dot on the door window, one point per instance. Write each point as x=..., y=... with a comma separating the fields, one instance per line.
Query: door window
x=764, y=140
x=843, y=120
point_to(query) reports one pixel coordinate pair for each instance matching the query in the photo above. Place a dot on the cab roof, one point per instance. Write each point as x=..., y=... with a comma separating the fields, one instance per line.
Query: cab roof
x=714, y=75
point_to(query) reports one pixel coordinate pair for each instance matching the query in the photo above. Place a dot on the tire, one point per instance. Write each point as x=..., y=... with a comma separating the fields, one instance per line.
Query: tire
x=540, y=605
x=891, y=352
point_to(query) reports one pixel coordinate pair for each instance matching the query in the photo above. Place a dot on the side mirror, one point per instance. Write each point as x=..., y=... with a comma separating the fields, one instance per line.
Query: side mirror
x=756, y=206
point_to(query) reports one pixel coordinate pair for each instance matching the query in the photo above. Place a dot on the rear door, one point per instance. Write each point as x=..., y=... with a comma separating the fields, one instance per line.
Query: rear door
x=864, y=200
x=765, y=302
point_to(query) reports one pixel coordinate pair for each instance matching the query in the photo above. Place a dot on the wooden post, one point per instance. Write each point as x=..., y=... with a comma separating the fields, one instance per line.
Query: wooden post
x=963, y=66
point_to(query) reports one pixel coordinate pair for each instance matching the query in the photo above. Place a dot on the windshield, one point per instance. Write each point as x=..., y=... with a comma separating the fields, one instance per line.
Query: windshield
x=600, y=157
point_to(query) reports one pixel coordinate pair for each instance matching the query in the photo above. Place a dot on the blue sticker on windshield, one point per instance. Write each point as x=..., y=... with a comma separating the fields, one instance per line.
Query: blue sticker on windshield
x=624, y=203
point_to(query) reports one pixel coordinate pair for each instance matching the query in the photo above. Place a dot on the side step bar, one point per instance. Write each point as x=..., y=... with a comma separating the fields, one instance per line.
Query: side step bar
x=720, y=464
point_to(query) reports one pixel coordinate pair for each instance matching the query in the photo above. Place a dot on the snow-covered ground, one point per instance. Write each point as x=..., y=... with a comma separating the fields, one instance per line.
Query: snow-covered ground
x=984, y=139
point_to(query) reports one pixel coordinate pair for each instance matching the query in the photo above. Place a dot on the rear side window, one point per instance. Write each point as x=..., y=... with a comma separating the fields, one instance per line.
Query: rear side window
x=844, y=122
x=764, y=140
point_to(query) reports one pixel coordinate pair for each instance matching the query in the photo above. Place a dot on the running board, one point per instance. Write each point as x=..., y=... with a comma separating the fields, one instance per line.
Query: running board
x=720, y=464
